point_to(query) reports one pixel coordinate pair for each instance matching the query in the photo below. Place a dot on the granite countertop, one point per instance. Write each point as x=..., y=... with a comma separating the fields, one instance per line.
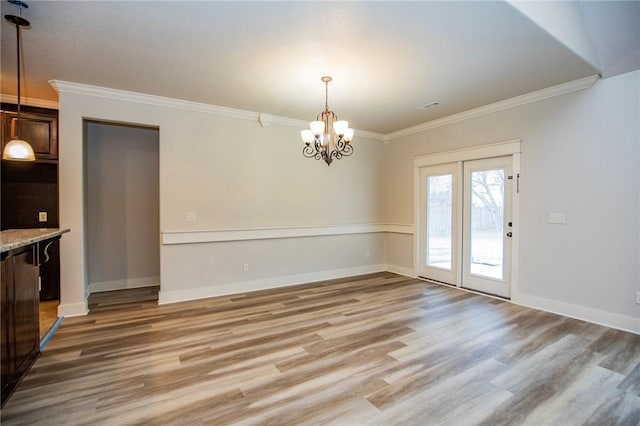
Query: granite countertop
x=16, y=238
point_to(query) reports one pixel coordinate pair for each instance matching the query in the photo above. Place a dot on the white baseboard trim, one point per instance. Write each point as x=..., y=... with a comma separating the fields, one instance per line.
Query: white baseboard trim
x=263, y=284
x=400, y=270
x=596, y=316
x=73, y=309
x=124, y=284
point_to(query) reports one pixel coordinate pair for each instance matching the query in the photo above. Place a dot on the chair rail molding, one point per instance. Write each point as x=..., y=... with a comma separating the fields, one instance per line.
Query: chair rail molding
x=222, y=235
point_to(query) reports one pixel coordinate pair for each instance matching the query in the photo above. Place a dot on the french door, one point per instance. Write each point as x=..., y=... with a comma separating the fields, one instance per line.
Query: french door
x=465, y=224
x=440, y=196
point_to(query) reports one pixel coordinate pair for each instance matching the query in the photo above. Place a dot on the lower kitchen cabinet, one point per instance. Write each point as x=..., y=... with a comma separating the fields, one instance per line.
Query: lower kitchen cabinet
x=20, y=315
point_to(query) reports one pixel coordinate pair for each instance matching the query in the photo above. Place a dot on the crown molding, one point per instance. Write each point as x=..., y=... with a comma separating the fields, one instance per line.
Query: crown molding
x=142, y=98
x=123, y=95
x=268, y=119
x=42, y=103
x=549, y=92
x=367, y=134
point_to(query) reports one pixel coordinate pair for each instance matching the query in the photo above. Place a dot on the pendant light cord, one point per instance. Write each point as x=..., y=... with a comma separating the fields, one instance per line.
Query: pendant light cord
x=18, y=58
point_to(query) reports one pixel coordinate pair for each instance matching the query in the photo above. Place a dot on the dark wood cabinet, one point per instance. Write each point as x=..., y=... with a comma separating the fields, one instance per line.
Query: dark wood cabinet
x=20, y=316
x=38, y=126
x=28, y=188
x=6, y=331
x=49, y=255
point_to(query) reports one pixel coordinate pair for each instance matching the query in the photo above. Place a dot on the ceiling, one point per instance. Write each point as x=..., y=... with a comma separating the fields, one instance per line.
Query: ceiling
x=386, y=58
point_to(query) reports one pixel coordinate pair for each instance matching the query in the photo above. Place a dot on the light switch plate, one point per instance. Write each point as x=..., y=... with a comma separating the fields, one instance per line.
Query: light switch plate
x=557, y=218
x=42, y=216
x=189, y=216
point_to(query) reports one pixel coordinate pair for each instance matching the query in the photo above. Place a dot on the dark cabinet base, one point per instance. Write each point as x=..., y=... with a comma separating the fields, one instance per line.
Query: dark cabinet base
x=20, y=326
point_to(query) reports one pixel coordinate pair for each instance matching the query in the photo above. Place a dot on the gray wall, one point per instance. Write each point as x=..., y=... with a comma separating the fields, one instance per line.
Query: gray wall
x=123, y=226
x=580, y=156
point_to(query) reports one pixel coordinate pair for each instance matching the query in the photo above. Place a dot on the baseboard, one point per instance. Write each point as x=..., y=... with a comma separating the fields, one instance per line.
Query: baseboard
x=596, y=316
x=400, y=270
x=124, y=284
x=263, y=284
x=73, y=309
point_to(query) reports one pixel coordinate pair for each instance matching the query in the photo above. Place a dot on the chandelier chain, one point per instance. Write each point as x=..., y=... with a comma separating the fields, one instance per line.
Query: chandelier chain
x=326, y=96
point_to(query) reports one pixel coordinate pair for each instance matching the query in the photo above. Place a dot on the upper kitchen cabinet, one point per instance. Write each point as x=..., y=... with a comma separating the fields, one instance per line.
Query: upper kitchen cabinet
x=38, y=126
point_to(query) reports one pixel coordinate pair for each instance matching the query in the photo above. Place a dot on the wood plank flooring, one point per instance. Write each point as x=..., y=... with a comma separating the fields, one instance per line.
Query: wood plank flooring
x=378, y=349
x=48, y=315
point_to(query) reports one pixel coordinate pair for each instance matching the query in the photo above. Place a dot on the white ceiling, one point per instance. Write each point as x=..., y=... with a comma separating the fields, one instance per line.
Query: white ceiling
x=386, y=58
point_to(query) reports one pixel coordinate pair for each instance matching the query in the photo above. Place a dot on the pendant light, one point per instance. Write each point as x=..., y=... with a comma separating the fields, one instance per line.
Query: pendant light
x=18, y=149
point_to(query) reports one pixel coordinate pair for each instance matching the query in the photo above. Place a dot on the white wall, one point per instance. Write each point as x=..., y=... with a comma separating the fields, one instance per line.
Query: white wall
x=123, y=205
x=580, y=156
x=233, y=174
x=205, y=270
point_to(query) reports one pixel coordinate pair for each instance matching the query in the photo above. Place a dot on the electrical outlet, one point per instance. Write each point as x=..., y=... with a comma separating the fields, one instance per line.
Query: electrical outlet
x=189, y=216
x=245, y=267
x=42, y=216
x=558, y=218
x=638, y=297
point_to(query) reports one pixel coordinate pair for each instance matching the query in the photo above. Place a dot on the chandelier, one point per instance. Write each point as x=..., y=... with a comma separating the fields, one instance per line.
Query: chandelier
x=18, y=149
x=328, y=137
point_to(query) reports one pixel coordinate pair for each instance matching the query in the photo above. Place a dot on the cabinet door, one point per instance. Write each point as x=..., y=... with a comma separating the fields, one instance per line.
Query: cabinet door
x=6, y=313
x=40, y=130
x=26, y=314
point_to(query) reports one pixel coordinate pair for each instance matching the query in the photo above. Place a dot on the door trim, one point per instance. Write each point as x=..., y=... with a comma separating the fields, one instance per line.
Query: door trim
x=501, y=149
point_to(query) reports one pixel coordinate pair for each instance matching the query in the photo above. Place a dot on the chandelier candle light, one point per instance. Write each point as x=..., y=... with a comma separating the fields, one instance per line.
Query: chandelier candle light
x=18, y=149
x=328, y=137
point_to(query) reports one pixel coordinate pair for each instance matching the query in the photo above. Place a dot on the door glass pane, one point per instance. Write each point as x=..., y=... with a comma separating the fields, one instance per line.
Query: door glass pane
x=439, y=201
x=487, y=213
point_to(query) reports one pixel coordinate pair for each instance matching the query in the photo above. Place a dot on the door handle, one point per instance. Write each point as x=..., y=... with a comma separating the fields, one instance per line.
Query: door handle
x=509, y=234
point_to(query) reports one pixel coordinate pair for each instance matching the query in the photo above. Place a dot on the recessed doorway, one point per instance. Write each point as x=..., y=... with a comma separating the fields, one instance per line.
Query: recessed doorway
x=122, y=206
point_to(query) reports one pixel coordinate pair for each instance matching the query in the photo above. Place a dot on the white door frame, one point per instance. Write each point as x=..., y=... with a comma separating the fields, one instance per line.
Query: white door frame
x=501, y=149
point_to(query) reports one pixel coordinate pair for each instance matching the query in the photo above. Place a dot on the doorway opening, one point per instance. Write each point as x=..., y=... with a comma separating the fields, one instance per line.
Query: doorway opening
x=122, y=205
x=467, y=209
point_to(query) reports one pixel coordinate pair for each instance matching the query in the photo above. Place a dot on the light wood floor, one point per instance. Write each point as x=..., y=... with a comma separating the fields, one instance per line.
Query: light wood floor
x=48, y=315
x=378, y=349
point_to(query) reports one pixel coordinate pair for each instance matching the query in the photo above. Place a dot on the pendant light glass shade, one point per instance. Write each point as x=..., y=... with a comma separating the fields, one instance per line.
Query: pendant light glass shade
x=317, y=127
x=340, y=127
x=18, y=150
